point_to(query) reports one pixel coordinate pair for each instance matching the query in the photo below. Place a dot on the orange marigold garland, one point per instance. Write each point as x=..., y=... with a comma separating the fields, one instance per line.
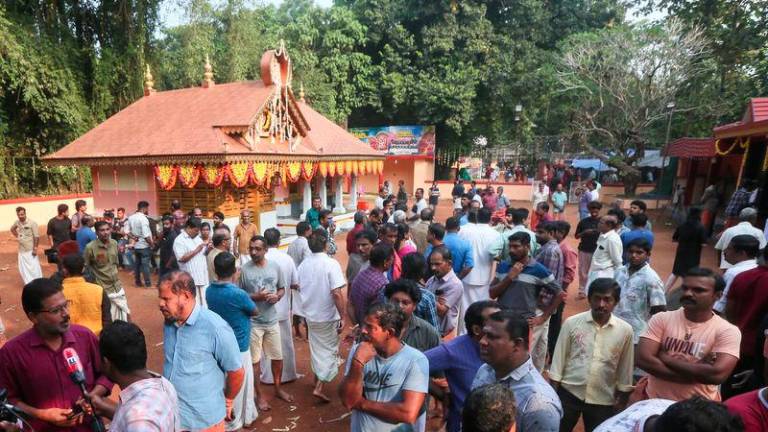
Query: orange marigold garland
x=260, y=172
x=239, y=173
x=308, y=170
x=213, y=175
x=189, y=175
x=348, y=167
x=165, y=175
x=322, y=168
x=341, y=168
x=331, y=169
x=294, y=171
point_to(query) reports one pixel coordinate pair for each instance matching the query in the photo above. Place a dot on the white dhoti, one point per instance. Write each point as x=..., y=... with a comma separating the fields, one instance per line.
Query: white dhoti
x=119, y=309
x=244, y=259
x=472, y=293
x=289, y=357
x=243, y=407
x=29, y=267
x=324, y=349
x=539, y=336
x=200, y=295
x=596, y=274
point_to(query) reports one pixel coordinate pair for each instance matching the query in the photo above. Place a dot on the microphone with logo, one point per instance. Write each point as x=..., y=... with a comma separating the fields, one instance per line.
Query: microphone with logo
x=77, y=375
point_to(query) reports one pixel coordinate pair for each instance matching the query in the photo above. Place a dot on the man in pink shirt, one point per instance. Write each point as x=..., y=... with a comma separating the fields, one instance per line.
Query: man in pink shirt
x=690, y=351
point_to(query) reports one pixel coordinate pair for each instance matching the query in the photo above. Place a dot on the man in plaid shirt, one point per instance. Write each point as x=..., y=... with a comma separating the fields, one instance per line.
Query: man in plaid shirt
x=739, y=200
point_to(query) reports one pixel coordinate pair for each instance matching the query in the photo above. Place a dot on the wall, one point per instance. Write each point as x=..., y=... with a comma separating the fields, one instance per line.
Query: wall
x=40, y=209
x=134, y=184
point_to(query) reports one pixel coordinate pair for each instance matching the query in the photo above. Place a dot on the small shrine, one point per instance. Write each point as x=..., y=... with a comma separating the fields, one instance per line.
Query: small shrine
x=225, y=147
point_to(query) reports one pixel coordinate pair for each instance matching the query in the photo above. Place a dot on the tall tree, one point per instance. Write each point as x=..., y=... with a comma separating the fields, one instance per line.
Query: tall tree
x=623, y=79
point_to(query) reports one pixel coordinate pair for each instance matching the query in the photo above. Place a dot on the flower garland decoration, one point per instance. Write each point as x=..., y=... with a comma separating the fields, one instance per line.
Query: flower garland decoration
x=744, y=160
x=341, y=168
x=213, y=175
x=260, y=172
x=239, y=173
x=369, y=166
x=308, y=170
x=355, y=168
x=189, y=175
x=379, y=167
x=165, y=175
x=294, y=171
x=730, y=149
x=322, y=168
x=332, y=168
x=348, y=167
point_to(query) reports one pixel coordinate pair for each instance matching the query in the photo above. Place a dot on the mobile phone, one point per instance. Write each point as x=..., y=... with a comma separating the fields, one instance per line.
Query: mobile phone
x=439, y=292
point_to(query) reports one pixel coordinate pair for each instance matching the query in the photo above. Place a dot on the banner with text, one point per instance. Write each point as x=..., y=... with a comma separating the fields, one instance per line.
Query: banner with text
x=399, y=140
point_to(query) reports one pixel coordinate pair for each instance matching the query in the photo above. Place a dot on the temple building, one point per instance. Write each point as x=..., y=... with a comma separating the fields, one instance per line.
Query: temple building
x=225, y=147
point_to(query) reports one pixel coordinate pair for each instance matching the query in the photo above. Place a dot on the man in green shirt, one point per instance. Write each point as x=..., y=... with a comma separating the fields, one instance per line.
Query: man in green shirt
x=101, y=258
x=313, y=214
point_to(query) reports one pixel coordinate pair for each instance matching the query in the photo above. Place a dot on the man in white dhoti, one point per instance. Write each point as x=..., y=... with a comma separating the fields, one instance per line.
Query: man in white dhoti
x=101, y=258
x=482, y=238
x=26, y=233
x=320, y=283
x=283, y=308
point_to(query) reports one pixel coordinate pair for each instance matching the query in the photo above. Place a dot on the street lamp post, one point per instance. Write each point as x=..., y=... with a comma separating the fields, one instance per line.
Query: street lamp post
x=518, y=112
x=670, y=111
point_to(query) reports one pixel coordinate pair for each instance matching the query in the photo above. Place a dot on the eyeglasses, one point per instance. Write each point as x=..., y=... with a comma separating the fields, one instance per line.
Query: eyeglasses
x=58, y=309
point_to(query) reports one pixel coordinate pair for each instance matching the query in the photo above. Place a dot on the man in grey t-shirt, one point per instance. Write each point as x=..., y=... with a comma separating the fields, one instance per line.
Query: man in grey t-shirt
x=263, y=281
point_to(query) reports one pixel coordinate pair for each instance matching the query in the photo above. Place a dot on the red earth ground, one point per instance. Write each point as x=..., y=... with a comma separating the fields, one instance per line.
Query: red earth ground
x=307, y=413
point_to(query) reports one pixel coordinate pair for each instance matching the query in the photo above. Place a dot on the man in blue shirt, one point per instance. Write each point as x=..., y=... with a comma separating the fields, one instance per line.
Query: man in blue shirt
x=385, y=382
x=201, y=355
x=460, y=249
x=504, y=349
x=459, y=359
x=639, y=230
x=85, y=234
x=313, y=214
x=236, y=308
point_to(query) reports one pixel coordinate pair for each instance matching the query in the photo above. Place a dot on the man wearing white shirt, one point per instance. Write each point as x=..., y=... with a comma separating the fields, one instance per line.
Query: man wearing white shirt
x=747, y=219
x=421, y=203
x=189, y=249
x=379, y=204
x=283, y=308
x=139, y=232
x=692, y=415
x=607, y=257
x=741, y=254
x=481, y=238
x=320, y=284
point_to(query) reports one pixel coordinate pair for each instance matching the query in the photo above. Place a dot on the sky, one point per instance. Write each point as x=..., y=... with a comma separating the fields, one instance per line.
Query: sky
x=171, y=14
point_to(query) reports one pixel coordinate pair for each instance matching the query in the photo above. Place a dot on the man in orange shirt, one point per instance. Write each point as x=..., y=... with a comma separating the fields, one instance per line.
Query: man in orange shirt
x=690, y=351
x=244, y=231
x=89, y=303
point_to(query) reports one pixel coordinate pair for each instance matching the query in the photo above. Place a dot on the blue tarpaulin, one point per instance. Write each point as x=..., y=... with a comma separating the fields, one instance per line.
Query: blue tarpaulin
x=595, y=164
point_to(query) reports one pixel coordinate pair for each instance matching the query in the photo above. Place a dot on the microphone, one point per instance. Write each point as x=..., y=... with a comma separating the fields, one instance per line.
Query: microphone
x=74, y=367
x=77, y=374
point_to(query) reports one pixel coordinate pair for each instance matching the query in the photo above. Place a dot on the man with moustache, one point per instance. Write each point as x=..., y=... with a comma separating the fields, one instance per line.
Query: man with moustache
x=690, y=351
x=201, y=356
x=101, y=258
x=33, y=369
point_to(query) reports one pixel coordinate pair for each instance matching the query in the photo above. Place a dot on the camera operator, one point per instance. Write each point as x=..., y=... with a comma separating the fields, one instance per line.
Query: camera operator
x=33, y=368
x=147, y=400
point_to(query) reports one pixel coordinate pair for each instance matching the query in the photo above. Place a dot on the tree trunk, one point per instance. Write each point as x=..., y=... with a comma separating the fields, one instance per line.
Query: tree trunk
x=631, y=180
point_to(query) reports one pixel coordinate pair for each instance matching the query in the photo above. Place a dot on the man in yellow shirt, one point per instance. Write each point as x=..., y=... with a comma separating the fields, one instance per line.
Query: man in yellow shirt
x=593, y=360
x=89, y=305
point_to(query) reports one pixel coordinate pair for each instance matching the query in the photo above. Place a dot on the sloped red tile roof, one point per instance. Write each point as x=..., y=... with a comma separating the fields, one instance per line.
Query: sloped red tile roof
x=691, y=148
x=754, y=121
x=188, y=123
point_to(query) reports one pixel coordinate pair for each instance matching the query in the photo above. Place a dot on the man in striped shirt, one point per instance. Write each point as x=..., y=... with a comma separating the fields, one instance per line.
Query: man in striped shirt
x=521, y=289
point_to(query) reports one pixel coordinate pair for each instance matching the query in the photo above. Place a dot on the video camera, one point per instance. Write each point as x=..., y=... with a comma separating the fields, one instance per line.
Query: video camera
x=8, y=412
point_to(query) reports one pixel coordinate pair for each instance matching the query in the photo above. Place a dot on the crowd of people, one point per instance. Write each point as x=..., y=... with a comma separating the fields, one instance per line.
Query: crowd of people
x=460, y=321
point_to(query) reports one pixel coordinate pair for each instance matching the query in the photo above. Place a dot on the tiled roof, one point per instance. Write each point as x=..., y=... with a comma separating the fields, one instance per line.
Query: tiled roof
x=190, y=122
x=754, y=121
x=691, y=148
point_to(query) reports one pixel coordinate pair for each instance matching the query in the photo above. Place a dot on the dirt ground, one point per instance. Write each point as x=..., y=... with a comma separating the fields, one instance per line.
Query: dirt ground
x=306, y=413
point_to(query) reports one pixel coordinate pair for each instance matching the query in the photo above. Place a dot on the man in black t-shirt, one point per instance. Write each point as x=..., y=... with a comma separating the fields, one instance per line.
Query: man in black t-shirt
x=59, y=227
x=587, y=233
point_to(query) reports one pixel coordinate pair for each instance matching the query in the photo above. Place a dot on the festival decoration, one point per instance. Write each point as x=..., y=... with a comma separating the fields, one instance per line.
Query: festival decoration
x=379, y=167
x=348, y=167
x=260, y=172
x=736, y=142
x=239, y=173
x=165, y=175
x=294, y=171
x=213, y=175
x=308, y=170
x=355, y=168
x=189, y=175
x=341, y=168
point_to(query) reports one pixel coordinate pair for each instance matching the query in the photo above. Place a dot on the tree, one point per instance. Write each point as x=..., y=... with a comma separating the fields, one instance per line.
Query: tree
x=622, y=79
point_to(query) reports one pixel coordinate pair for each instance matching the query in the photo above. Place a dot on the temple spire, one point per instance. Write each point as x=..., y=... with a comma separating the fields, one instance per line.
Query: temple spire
x=149, y=82
x=208, y=75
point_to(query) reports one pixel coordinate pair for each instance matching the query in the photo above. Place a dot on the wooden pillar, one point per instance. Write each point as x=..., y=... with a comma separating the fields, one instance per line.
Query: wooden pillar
x=339, y=186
